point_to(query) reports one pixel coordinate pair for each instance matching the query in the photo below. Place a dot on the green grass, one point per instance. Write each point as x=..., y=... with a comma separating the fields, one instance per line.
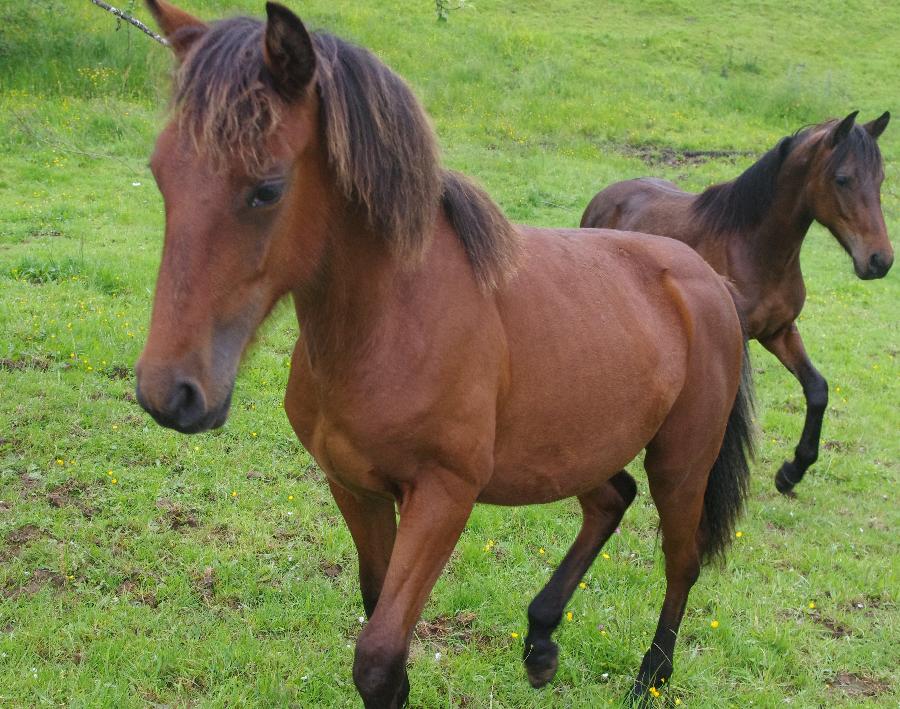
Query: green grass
x=105, y=594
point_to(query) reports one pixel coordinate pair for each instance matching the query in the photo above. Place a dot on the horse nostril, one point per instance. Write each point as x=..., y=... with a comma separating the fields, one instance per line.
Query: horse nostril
x=187, y=405
x=878, y=264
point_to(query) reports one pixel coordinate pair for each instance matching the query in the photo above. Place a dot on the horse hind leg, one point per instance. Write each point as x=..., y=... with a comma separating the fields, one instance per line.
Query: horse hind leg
x=678, y=494
x=602, y=509
x=698, y=504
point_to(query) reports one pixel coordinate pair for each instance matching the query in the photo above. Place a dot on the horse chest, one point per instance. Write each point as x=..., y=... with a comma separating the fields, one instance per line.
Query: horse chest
x=771, y=310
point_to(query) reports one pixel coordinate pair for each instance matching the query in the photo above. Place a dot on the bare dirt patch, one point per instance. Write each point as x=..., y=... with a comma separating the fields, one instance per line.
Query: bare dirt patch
x=28, y=482
x=332, y=571
x=20, y=365
x=131, y=588
x=854, y=685
x=868, y=605
x=19, y=538
x=206, y=582
x=656, y=156
x=69, y=495
x=445, y=628
x=118, y=371
x=837, y=630
x=176, y=516
x=39, y=579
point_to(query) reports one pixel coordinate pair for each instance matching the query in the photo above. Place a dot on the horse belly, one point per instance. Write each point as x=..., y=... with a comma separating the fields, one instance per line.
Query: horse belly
x=571, y=427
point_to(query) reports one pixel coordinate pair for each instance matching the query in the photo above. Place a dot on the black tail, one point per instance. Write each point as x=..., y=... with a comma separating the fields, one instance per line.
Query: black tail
x=726, y=490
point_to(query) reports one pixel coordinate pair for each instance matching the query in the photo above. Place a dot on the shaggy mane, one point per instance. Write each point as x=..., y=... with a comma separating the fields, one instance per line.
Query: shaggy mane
x=380, y=143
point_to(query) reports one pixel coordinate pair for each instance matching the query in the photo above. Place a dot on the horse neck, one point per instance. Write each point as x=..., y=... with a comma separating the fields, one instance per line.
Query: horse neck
x=339, y=311
x=774, y=245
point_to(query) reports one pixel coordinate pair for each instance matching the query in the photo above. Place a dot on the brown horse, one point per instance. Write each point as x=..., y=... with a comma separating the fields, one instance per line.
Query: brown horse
x=428, y=375
x=751, y=230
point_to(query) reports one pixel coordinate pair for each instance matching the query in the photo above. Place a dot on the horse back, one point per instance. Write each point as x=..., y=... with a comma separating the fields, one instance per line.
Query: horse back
x=647, y=204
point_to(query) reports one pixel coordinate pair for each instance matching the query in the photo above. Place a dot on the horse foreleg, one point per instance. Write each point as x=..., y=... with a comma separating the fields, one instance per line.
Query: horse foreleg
x=602, y=509
x=787, y=346
x=433, y=513
x=373, y=526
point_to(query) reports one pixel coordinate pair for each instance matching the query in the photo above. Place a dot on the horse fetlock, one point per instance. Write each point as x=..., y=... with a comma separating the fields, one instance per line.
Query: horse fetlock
x=805, y=455
x=786, y=477
x=541, y=657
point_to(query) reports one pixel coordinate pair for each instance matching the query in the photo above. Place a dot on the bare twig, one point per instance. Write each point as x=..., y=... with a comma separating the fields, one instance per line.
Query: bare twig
x=64, y=147
x=131, y=20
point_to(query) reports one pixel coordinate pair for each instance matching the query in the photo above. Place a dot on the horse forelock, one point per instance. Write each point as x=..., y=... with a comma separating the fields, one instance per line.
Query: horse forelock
x=859, y=145
x=380, y=144
x=221, y=99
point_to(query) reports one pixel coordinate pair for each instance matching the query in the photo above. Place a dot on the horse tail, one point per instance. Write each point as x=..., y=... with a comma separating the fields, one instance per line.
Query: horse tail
x=727, y=488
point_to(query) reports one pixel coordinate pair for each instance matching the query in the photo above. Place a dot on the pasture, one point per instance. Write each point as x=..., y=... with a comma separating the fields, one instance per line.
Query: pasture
x=139, y=567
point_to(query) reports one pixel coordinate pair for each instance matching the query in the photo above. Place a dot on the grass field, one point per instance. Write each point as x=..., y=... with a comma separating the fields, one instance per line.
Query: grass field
x=141, y=568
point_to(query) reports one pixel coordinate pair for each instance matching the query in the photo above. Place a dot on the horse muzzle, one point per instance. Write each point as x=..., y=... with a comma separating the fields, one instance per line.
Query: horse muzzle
x=182, y=406
x=877, y=266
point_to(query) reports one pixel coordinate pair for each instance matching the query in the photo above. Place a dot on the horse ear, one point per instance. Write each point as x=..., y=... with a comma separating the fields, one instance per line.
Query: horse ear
x=784, y=147
x=288, y=52
x=876, y=128
x=178, y=27
x=842, y=129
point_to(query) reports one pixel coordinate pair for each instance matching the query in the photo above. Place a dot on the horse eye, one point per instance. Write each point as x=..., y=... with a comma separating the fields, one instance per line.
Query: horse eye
x=265, y=194
x=842, y=180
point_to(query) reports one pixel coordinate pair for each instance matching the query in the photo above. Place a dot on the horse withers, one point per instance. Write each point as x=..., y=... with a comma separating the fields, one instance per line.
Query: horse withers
x=445, y=357
x=751, y=230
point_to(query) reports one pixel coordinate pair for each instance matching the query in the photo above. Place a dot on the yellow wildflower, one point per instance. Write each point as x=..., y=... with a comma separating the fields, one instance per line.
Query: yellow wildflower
x=714, y=624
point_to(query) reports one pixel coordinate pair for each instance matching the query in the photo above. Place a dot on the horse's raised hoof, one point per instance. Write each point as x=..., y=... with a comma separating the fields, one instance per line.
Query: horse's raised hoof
x=541, y=660
x=783, y=481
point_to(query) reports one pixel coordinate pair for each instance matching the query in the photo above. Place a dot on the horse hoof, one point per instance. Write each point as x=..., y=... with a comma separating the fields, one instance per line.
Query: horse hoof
x=541, y=661
x=783, y=483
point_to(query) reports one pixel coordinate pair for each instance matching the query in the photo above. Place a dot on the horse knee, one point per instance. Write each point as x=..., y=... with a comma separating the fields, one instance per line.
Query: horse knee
x=806, y=454
x=379, y=672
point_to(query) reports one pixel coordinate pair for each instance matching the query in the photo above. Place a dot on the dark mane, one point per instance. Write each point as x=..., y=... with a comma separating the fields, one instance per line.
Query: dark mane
x=380, y=143
x=742, y=203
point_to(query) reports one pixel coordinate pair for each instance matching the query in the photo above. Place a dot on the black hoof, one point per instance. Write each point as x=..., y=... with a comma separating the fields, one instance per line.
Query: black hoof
x=785, y=480
x=541, y=660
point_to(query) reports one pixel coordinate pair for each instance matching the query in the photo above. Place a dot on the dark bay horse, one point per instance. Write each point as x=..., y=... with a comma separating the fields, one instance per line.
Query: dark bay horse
x=751, y=230
x=445, y=357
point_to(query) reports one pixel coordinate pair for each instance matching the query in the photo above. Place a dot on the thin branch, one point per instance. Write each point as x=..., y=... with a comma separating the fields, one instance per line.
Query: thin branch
x=64, y=147
x=131, y=20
